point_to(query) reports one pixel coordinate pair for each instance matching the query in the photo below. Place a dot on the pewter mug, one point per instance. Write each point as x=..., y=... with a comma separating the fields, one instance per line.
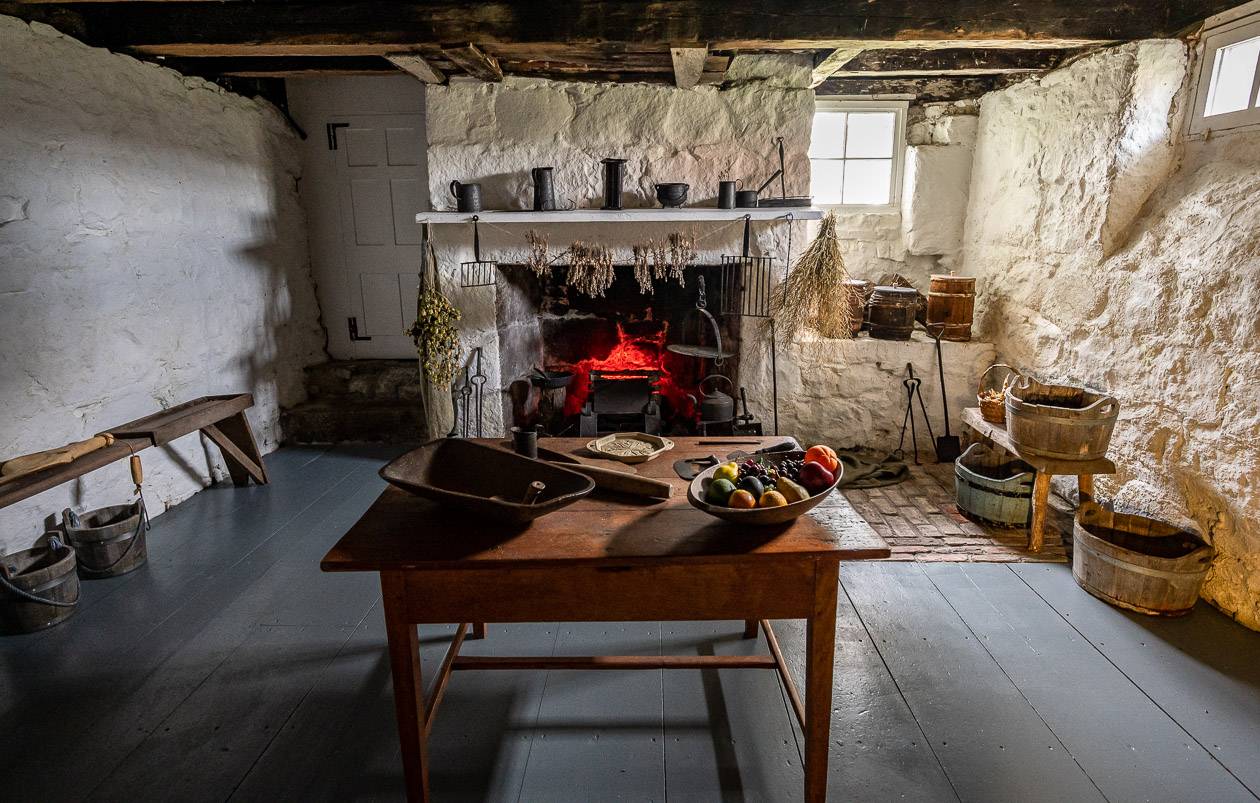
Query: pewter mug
x=467, y=196
x=726, y=194
x=544, y=190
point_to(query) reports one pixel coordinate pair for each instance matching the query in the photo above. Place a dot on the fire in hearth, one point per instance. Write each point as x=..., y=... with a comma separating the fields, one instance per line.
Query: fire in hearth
x=637, y=352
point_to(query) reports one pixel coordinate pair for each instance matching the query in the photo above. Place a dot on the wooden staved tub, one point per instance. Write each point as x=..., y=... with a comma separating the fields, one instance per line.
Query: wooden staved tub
x=1138, y=563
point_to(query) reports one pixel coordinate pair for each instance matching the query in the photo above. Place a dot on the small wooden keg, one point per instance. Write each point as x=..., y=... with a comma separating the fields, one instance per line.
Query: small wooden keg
x=891, y=312
x=951, y=302
x=859, y=290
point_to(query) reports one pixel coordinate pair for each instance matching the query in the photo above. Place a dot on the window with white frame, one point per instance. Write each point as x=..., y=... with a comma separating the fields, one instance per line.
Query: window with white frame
x=1228, y=87
x=856, y=152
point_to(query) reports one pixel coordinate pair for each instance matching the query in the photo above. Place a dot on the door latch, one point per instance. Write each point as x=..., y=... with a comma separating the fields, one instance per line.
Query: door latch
x=353, y=325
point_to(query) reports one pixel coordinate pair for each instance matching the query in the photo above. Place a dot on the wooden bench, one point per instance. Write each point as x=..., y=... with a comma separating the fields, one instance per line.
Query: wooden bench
x=1083, y=470
x=221, y=418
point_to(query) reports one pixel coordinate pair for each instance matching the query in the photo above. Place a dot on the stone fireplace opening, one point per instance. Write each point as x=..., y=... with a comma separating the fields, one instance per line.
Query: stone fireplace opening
x=615, y=346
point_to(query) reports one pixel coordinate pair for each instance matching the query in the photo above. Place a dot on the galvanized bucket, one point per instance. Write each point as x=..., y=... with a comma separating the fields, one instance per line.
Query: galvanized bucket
x=38, y=587
x=109, y=541
x=993, y=487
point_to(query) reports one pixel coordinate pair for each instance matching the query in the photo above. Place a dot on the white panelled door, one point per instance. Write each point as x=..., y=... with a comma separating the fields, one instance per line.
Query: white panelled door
x=381, y=185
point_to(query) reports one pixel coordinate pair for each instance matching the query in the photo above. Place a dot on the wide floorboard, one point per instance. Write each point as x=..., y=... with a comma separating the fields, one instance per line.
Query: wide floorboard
x=231, y=668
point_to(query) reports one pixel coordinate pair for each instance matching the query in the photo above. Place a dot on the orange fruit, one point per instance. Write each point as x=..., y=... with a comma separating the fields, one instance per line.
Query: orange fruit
x=772, y=499
x=823, y=455
x=742, y=499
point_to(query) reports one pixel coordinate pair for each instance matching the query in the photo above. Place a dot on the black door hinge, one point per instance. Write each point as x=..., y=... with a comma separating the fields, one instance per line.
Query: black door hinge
x=353, y=325
x=332, y=134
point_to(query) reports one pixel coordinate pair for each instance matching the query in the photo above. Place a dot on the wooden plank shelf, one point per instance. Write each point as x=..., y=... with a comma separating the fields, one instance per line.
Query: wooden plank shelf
x=692, y=214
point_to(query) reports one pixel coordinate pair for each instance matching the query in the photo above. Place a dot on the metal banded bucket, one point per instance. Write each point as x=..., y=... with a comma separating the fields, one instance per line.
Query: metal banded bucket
x=1138, y=563
x=110, y=541
x=1059, y=421
x=993, y=487
x=951, y=302
x=891, y=312
x=38, y=587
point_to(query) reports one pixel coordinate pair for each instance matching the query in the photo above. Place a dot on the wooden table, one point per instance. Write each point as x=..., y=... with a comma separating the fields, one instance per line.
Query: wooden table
x=1083, y=470
x=606, y=559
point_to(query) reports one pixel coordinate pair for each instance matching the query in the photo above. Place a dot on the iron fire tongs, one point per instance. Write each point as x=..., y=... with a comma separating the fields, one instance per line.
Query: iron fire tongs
x=912, y=385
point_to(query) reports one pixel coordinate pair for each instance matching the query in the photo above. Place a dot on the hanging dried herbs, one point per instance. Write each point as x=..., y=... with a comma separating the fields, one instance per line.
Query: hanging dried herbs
x=590, y=269
x=539, y=262
x=814, y=296
x=434, y=332
x=642, y=271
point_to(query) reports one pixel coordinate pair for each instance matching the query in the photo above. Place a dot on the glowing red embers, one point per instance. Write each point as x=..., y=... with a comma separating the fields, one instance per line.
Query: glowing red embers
x=633, y=353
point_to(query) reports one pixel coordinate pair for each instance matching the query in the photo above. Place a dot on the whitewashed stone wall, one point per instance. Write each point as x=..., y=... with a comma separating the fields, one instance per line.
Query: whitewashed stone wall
x=152, y=250
x=1114, y=257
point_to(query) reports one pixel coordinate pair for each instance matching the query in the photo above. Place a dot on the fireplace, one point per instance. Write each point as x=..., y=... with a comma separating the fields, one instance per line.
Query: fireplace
x=616, y=347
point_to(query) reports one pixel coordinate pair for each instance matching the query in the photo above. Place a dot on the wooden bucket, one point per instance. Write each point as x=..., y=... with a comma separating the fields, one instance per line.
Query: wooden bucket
x=1138, y=563
x=993, y=487
x=109, y=541
x=951, y=302
x=1059, y=421
x=891, y=312
x=38, y=587
x=859, y=291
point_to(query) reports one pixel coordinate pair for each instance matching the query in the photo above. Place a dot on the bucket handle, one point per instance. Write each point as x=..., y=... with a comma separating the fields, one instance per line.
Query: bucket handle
x=1104, y=406
x=54, y=543
x=141, y=524
x=1013, y=372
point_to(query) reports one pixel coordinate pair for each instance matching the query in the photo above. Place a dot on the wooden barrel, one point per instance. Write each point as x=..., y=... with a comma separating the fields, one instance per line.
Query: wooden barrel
x=1063, y=422
x=859, y=290
x=38, y=587
x=1138, y=563
x=891, y=312
x=951, y=302
x=110, y=541
x=992, y=487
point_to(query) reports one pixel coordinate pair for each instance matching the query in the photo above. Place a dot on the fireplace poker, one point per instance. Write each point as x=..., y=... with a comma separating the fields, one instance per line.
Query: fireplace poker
x=479, y=379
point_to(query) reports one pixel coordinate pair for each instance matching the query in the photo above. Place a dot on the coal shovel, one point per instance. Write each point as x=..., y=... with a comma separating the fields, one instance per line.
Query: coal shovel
x=948, y=446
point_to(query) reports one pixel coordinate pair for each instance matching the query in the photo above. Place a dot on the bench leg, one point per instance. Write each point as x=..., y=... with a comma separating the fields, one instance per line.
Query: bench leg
x=235, y=439
x=1085, y=484
x=478, y=630
x=1040, y=504
x=750, y=628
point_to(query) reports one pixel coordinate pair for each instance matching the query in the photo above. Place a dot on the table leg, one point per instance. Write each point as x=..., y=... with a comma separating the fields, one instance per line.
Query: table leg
x=750, y=628
x=1085, y=484
x=404, y=660
x=478, y=630
x=820, y=649
x=1040, y=505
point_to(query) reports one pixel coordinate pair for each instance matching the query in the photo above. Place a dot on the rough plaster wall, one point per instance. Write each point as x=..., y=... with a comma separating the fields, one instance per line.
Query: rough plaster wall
x=494, y=133
x=152, y=250
x=1109, y=258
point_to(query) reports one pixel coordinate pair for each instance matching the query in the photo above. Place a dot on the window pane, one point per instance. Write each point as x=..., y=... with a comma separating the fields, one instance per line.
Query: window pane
x=1233, y=73
x=826, y=180
x=871, y=135
x=828, y=135
x=868, y=181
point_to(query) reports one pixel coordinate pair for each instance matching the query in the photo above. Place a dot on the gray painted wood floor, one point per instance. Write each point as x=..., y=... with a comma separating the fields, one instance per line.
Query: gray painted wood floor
x=231, y=668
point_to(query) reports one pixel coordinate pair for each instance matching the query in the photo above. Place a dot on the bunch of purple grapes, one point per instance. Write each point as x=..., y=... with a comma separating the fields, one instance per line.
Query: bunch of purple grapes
x=791, y=469
x=751, y=468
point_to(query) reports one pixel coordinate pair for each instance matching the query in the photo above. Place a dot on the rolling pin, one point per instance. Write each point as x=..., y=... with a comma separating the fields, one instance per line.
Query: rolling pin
x=20, y=466
x=610, y=480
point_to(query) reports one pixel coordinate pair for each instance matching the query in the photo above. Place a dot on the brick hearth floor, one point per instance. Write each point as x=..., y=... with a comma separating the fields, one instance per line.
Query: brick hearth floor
x=921, y=523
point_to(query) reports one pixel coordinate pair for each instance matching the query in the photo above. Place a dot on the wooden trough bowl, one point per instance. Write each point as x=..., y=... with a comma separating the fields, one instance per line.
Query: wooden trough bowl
x=758, y=516
x=484, y=481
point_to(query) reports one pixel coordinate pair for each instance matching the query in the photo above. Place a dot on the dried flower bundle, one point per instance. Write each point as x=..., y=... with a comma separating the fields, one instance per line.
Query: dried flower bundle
x=538, y=260
x=814, y=295
x=590, y=269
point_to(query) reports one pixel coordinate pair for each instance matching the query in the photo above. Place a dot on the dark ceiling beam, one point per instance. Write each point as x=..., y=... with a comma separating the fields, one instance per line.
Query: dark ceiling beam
x=924, y=88
x=474, y=61
x=197, y=28
x=955, y=61
x=281, y=67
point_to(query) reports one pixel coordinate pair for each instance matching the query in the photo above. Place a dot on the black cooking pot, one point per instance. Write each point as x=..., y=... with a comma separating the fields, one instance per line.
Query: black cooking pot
x=672, y=194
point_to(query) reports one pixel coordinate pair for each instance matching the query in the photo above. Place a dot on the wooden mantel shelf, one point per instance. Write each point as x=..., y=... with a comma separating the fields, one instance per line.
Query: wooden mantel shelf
x=679, y=215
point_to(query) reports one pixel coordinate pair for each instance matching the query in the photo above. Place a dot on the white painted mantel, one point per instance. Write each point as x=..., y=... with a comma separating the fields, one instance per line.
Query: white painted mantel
x=680, y=215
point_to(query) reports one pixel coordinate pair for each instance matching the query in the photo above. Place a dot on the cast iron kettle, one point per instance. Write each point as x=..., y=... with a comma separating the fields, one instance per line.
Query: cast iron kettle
x=716, y=406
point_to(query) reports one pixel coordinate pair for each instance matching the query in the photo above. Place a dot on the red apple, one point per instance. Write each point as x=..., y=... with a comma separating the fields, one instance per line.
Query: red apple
x=815, y=477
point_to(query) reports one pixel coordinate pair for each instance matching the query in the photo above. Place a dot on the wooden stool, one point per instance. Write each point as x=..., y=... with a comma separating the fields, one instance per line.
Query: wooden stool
x=1083, y=470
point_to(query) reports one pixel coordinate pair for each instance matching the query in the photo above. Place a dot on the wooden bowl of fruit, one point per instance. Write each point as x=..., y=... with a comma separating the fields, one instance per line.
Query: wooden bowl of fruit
x=769, y=488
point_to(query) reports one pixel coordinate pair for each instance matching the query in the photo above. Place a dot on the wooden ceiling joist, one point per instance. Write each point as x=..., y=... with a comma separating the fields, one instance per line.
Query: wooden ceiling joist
x=474, y=61
x=174, y=27
x=417, y=65
x=955, y=61
x=278, y=67
x=924, y=88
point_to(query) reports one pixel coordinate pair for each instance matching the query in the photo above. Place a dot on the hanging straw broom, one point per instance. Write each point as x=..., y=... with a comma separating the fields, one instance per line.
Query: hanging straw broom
x=813, y=296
